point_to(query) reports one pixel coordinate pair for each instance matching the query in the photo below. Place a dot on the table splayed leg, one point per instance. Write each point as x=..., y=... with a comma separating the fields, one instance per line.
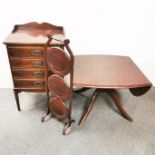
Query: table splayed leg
x=114, y=95
x=89, y=107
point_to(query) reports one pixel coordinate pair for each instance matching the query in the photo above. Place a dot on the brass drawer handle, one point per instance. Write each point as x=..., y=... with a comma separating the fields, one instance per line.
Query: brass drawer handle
x=36, y=52
x=38, y=84
x=38, y=73
x=37, y=63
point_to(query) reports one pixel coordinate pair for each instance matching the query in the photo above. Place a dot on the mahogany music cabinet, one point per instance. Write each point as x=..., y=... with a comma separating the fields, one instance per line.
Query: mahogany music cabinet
x=25, y=48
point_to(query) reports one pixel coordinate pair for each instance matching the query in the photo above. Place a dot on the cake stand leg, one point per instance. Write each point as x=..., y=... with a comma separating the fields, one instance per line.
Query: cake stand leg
x=67, y=128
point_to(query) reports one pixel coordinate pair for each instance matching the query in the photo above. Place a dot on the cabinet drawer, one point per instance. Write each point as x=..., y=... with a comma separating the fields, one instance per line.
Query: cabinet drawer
x=25, y=52
x=28, y=73
x=29, y=83
x=26, y=63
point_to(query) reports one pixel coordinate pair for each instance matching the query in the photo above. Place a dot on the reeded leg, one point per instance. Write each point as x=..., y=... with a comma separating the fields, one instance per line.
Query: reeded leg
x=118, y=103
x=89, y=108
x=17, y=99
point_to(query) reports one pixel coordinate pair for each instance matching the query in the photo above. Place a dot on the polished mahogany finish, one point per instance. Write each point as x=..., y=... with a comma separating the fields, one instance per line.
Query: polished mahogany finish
x=105, y=73
x=54, y=55
x=28, y=73
x=58, y=108
x=58, y=87
x=60, y=63
x=34, y=34
x=27, y=51
x=33, y=59
x=25, y=47
x=108, y=73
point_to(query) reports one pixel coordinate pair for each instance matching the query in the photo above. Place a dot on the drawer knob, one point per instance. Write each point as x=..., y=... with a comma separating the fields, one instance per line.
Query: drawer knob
x=36, y=52
x=37, y=63
x=38, y=73
x=38, y=84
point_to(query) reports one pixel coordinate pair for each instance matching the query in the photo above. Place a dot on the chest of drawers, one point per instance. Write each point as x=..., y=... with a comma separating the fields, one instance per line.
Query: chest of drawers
x=25, y=48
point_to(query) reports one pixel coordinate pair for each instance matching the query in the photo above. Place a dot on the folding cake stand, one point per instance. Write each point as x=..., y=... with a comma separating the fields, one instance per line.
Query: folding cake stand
x=105, y=73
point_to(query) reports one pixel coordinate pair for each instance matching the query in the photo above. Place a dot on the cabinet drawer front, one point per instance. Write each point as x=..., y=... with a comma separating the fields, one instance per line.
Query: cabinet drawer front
x=28, y=73
x=26, y=63
x=25, y=52
x=29, y=83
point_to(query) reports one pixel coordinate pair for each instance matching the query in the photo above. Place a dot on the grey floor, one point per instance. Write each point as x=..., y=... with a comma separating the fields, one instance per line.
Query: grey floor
x=105, y=132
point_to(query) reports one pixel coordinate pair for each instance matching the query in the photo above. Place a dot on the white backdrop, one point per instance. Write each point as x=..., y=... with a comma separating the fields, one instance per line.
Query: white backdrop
x=118, y=27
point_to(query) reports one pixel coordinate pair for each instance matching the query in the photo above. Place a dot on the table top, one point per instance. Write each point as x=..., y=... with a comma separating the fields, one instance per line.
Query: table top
x=108, y=71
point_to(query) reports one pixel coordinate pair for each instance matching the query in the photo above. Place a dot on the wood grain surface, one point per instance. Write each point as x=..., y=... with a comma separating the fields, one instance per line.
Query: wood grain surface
x=108, y=71
x=58, y=108
x=58, y=61
x=35, y=33
x=26, y=49
x=58, y=87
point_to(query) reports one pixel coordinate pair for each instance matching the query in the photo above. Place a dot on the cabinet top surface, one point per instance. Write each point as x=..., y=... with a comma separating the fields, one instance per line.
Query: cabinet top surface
x=34, y=33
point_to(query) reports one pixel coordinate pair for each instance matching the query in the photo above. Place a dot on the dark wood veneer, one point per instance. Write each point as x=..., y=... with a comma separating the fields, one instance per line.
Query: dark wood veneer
x=25, y=48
